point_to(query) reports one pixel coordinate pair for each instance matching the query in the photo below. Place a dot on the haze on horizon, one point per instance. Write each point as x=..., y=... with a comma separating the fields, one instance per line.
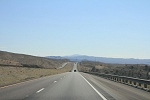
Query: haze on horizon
x=102, y=28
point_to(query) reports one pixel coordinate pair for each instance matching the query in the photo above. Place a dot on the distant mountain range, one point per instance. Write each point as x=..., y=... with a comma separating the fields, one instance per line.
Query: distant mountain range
x=79, y=58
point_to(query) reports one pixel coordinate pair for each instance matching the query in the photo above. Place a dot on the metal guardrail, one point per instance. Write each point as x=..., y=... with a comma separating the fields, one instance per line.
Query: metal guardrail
x=135, y=82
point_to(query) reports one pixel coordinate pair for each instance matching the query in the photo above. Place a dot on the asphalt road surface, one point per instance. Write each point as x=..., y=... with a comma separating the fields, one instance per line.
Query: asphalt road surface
x=63, y=65
x=72, y=86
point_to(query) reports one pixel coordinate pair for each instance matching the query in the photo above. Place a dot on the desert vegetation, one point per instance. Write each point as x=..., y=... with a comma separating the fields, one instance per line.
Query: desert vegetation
x=12, y=74
x=130, y=70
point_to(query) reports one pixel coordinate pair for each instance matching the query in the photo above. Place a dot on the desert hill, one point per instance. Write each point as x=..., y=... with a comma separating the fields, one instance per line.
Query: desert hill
x=22, y=60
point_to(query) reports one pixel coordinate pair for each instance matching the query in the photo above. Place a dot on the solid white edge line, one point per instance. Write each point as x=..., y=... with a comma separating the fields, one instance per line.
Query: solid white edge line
x=94, y=89
x=40, y=90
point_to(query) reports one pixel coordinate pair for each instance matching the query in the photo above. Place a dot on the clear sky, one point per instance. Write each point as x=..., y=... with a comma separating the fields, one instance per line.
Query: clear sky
x=105, y=28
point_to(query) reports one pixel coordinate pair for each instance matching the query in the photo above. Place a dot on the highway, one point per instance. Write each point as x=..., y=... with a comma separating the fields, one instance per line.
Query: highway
x=63, y=65
x=72, y=86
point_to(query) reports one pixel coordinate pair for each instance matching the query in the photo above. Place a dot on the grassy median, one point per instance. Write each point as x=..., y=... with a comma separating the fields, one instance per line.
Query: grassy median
x=9, y=75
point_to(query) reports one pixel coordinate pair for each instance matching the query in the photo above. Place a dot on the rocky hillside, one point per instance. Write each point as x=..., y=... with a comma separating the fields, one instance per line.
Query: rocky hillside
x=22, y=60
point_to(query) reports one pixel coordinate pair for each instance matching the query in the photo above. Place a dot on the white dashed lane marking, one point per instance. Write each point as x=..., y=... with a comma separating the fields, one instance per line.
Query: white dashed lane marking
x=55, y=81
x=40, y=90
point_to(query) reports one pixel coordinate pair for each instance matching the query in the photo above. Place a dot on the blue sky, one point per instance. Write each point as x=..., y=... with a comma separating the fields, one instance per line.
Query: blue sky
x=105, y=28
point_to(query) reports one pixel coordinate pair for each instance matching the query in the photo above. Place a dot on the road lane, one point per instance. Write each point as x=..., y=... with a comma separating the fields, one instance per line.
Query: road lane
x=72, y=86
x=117, y=91
x=20, y=91
x=63, y=65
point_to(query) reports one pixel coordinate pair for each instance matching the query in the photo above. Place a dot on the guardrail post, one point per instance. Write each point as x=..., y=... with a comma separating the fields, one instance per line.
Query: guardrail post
x=119, y=80
x=130, y=82
x=145, y=85
x=122, y=80
x=134, y=83
x=148, y=86
x=126, y=81
x=139, y=85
